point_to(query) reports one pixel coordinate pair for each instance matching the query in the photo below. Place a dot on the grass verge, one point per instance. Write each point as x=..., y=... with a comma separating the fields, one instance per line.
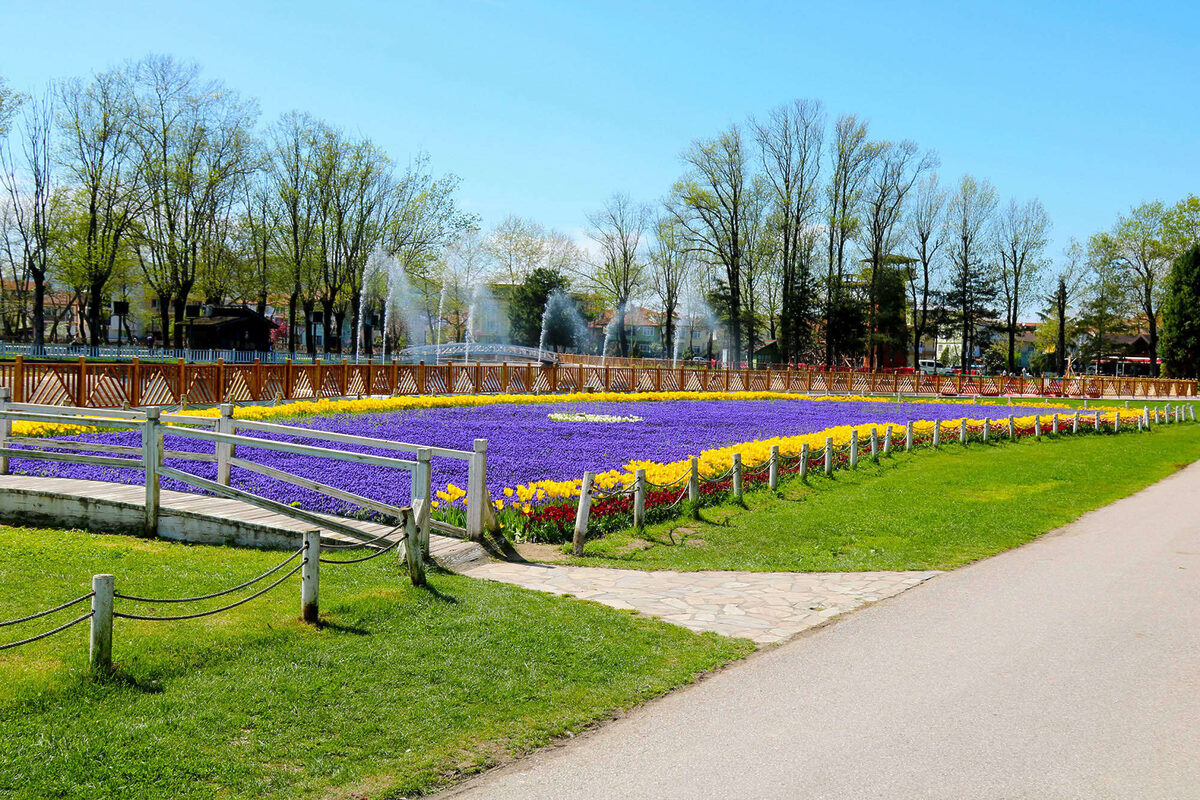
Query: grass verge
x=396, y=693
x=920, y=510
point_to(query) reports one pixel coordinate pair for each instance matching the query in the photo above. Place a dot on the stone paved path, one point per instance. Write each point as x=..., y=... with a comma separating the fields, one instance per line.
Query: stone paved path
x=765, y=607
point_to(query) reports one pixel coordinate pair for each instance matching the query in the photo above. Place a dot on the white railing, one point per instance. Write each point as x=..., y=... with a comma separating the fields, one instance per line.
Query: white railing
x=126, y=352
x=222, y=433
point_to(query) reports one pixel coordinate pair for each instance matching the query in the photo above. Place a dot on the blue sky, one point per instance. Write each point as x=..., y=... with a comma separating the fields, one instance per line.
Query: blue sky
x=545, y=109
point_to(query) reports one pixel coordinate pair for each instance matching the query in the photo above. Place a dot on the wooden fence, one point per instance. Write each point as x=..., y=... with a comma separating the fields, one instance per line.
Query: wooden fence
x=88, y=384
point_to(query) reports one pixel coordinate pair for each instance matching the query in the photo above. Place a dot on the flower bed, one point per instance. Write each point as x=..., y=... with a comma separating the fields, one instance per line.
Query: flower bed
x=530, y=455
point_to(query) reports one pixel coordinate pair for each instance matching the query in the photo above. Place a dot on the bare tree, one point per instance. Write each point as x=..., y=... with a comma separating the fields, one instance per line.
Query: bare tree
x=709, y=204
x=894, y=169
x=291, y=178
x=28, y=178
x=617, y=230
x=193, y=140
x=790, y=143
x=850, y=155
x=670, y=264
x=1020, y=234
x=98, y=150
x=972, y=286
x=1065, y=289
x=927, y=239
x=517, y=246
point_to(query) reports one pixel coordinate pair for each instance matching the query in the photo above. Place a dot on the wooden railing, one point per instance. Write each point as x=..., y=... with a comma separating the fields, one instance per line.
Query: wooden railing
x=87, y=384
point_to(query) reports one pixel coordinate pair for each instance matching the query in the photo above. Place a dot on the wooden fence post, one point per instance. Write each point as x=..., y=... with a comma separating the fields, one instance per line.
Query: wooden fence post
x=220, y=393
x=937, y=433
x=81, y=387
x=639, y=499
x=828, y=456
x=803, y=463
x=476, y=490
x=152, y=460
x=582, y=512
x=135, y=382
x=1097, y=421
x=773, y=469
x=694, y=480
x=962, y=431
x=1037, y=426
x=887, y=439
x=1075, y=423
x=310, y=576
x=100, y=634
x=18, y=387
x=874, y=444
x=987, y=426
x=5, y=426
x=224, y=449
x=181, y=377
x=287, y=380
x=854, y=449
x=737, y=477
x=908, y=436
x=1012, y=428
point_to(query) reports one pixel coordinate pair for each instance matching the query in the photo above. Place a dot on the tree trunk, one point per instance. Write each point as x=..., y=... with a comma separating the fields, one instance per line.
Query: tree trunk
x=95, y=300
x=326, y=327
x=622, y=338
x=339, y=320
x=292, y=300
x=355, y=316
x=164, y=314
x=177, y=334
x=310, y=338
x=39, y=311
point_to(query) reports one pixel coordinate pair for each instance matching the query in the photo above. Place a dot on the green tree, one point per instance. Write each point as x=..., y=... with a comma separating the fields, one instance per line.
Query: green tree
x=1181, y=316
x=528, y=304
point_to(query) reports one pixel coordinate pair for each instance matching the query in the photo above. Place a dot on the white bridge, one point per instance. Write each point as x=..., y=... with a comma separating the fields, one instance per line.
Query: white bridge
x=470, y=352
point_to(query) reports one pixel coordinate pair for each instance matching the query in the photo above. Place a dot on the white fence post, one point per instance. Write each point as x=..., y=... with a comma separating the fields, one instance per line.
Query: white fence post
x=310, y=576
x=1075, y=423
x=1097, y=422
x=582, y=512
x=1037, y=426
x=854, y=449
x=1012, y=428
x=962, y=431
x=477, y=491
x=737, y=477
x=773, y=468
x=987, y=426
x=694, y=480
x=937, y=433
x=828, y=456
x=804, y=461
x=1054, y=425
x=874, y=444
x=5, y=425
x=422, y=490
x=887, y=439
x=908, y=436
x=412, y=548
x=100, y=637
x=152, y=458
x=639, y=499
x=224, y=449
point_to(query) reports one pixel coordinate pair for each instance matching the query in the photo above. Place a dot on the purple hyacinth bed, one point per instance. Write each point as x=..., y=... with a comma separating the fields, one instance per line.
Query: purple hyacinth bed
x=524, y=445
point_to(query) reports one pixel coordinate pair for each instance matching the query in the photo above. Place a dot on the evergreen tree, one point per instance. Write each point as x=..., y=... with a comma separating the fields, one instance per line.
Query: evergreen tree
x=529, y=304
x=1181, y=316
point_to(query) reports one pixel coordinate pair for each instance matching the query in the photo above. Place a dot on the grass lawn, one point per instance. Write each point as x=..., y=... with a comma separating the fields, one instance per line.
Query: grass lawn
x=396, y=693
x=920, y=510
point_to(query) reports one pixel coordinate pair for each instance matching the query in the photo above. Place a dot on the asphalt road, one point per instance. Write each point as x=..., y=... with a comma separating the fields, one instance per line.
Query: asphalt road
x=1068, y=668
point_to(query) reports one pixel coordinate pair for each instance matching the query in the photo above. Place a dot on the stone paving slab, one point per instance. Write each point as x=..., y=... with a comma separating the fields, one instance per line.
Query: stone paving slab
x=765, y=607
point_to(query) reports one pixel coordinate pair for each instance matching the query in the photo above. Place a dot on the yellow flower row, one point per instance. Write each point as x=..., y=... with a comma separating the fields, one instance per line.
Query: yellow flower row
x=717, y=461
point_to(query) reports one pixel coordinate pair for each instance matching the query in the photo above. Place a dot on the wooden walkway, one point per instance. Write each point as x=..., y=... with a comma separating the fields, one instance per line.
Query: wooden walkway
x=187, y=517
